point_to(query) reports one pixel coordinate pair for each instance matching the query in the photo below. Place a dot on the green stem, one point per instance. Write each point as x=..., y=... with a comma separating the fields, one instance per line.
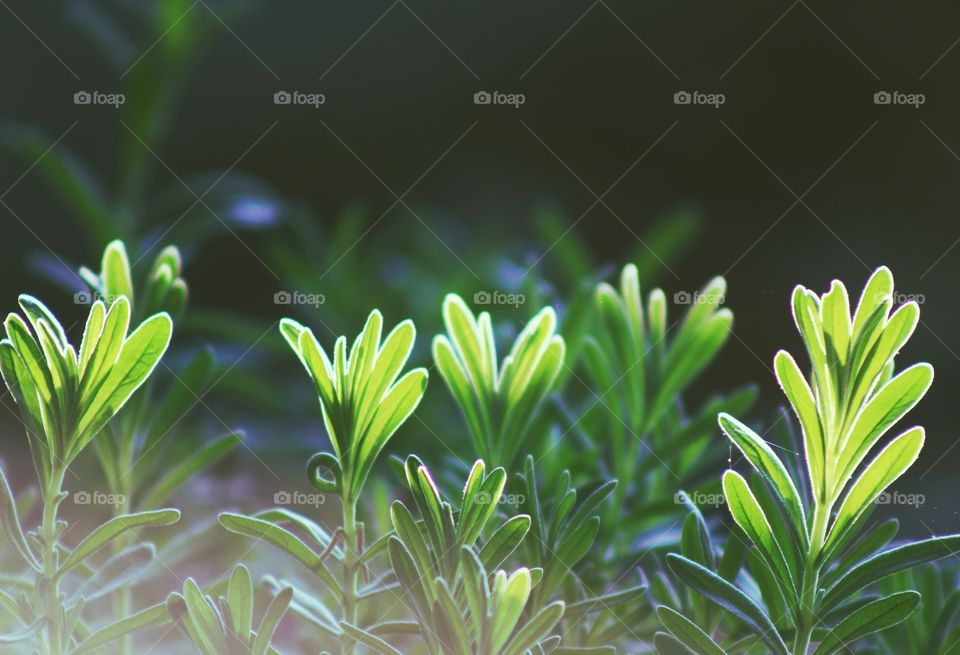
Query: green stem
x=51, y=587
x=350, y=571
x=811, y=576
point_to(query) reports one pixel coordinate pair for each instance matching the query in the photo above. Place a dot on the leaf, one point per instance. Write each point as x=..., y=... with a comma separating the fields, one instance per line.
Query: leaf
x=872, y=617
x=536, y=629
x=121, y=570
x=729, y=598
x=688, y=632
x=509, y=598
x=748, y=514
x=271, y=619
x=889, y=465
x=801, y=398
x=139, y=355
x=764, y=460
x=504, y=541
x=116, y=272
x=240, y=601
x=112, y=529
x=887, y=563
x=155, y=615
x=371, y=641
x=282, y=539
x=10, y=522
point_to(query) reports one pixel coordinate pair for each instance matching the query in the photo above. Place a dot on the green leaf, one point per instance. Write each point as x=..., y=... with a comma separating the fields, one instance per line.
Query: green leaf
x=10, y=522
x=112, y=529
x=687, y=632
x=117, y=280
x=504, y=541
x=155, y=615
x=371, y=641
x=282, y=539
x=729, y=598
x=872, y=617
x=141, y=352
x=887, y=563
x=240, y=601
x=536, y=629
x=889, y=465
x=748, y=514
x=764, y=460
x=271, y=619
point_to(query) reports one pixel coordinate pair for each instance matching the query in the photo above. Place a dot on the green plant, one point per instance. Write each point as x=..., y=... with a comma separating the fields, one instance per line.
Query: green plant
x=226, y=626
x=463, y=604
x=499, y=400
x=850, y=401
x=66, y=397
x=640, y=364
x=364, y=400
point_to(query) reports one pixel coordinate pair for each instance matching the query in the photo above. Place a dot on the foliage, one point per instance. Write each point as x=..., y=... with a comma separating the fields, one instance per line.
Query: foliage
x=806, y=544
x=499, y=400
x=66, y=396
x=225, y=626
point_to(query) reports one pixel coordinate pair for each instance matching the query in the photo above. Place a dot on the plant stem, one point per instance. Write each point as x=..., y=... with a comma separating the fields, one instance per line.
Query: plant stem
x=350, y=569
x=811, y=577
x=51, y=586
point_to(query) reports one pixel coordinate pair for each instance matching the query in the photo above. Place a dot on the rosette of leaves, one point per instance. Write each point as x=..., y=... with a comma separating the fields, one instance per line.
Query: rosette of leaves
x=364, y=400
x=639, y=363
x=807, y=541
x=564, y=528
x=225, y=626
x=66, y=396
x=450, y=581
x=499, y=400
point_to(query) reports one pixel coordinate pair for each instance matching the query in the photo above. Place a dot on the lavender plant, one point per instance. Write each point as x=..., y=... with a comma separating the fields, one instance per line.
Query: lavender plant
x=66, y=396
x=804, y=527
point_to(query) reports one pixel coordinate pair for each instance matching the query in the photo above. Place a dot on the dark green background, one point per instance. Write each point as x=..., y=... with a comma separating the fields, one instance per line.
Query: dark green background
x=799, y=98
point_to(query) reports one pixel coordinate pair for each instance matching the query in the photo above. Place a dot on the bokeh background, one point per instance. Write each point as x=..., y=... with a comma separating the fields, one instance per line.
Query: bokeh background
x=399, y=187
